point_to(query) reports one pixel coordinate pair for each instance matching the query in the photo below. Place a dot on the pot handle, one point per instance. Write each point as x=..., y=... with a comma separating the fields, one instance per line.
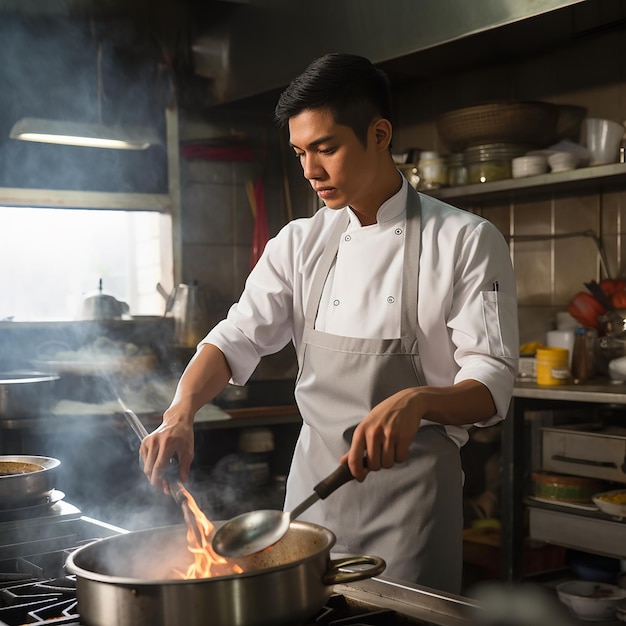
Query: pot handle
x=336, y=577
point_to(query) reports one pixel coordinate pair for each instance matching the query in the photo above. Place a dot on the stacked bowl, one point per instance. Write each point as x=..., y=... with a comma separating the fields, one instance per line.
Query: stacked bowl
x=529, y=165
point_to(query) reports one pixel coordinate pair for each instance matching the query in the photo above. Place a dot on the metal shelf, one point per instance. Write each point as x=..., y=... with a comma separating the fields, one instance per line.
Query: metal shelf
x=590, y=179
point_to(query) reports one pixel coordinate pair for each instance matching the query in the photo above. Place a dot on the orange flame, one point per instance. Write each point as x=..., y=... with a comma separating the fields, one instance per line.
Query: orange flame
x=207, y=563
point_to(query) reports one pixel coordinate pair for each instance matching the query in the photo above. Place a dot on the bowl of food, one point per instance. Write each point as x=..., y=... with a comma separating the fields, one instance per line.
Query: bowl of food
x=589, y=600
x=563, y=488
x=612, y=503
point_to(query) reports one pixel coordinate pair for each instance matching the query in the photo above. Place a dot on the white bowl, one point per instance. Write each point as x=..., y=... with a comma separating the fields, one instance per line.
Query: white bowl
x=590, y=600
x=529, y=165
x=563, y=161
x=604, y=501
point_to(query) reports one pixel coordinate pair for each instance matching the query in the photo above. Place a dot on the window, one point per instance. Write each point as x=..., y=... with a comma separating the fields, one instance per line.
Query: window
x=50, y=258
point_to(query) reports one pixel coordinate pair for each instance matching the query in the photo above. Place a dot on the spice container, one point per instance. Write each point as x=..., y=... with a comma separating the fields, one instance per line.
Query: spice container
x=552, y=366
x=582, y=355
x=432, y=171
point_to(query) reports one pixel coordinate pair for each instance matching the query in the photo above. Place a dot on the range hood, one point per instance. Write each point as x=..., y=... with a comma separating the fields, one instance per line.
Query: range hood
x=259, y=46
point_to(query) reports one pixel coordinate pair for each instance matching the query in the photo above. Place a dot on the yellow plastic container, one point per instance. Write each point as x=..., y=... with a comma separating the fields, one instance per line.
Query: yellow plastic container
x=552, y=366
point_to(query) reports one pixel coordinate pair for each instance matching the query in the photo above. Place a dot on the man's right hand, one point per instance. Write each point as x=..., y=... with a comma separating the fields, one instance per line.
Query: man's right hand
x=204, y=377
x=174, y=436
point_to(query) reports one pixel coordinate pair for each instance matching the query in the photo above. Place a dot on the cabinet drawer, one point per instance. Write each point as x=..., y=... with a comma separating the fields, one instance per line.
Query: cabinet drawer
x=600, y=453
x=598, y=536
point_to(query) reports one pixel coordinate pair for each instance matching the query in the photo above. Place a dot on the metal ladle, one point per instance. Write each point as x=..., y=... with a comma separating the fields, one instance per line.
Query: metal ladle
x=257, y=530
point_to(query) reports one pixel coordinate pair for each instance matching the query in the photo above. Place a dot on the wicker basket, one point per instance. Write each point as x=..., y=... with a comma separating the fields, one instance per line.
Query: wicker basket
x=530, y=123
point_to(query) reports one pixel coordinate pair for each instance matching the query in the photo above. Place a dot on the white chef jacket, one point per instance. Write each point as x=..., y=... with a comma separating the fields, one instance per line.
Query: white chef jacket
x=467, y=303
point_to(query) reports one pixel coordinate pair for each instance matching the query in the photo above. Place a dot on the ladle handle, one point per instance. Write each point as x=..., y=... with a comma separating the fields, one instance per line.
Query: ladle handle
x=339, y=477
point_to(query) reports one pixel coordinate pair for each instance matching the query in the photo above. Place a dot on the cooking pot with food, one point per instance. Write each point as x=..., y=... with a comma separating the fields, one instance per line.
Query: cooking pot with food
x=135, y=580
x=26, y=479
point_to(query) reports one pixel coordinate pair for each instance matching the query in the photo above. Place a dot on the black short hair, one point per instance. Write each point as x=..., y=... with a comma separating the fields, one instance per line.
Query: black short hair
x=349, y=86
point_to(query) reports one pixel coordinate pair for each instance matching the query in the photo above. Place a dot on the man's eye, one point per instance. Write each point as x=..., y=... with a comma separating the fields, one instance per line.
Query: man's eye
x=299, y=155
x=327, y=151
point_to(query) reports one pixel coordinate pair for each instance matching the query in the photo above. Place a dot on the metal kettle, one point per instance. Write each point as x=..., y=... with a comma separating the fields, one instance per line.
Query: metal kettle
x=191, y=320
x=101, y=306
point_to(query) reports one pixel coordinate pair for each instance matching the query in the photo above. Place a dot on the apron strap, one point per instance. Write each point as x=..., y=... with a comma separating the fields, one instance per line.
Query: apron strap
x=410, y=278
x=325, y=263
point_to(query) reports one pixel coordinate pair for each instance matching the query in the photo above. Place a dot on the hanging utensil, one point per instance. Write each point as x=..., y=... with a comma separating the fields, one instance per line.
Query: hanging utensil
x=261, y=230
x=255, y=531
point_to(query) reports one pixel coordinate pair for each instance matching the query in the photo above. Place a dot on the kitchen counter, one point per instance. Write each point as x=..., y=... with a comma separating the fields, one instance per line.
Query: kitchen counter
x=598, y=390
x=210, y=416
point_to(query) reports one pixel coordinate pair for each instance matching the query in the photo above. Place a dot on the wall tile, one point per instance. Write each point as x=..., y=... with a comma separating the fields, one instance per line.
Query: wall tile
x=208, y=214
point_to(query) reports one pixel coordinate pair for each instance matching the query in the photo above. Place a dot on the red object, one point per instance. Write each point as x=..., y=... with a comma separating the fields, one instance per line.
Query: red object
x=585, y=309
x=260, y=236
x=618, y=299
x=611, y=286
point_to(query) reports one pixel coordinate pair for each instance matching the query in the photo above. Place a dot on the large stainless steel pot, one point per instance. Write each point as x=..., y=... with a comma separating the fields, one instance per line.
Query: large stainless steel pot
x=126, y=580
x=26, y=394
x=19, y=489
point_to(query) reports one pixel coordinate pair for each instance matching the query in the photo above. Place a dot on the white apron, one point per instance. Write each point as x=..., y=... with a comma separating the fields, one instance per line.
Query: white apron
x=411, y=514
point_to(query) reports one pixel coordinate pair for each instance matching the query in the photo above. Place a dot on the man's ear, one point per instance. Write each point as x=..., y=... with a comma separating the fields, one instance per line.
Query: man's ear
x=382, y=133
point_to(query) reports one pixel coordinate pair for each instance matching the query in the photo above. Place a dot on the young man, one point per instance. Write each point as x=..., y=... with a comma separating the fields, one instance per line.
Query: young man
x=403, y=313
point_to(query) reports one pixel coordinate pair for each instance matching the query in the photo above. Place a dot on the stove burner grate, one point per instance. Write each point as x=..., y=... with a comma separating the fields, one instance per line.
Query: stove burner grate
x=39, y=602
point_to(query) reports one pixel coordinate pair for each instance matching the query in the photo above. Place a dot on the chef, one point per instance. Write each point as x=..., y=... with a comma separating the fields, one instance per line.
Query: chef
x=403, y=313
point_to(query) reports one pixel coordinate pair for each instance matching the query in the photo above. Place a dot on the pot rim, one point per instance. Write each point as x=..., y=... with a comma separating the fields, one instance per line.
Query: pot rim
x=47, y=463
x=128, y=581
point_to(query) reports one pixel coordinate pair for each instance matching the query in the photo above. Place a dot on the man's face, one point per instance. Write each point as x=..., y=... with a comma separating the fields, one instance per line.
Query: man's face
x=340, y=169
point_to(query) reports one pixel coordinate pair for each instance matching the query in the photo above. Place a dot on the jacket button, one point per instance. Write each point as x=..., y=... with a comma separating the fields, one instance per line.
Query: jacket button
x=335, y=302
x=391, y=299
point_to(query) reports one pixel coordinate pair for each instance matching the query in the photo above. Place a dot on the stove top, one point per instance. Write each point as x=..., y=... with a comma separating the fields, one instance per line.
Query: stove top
x=36, y=591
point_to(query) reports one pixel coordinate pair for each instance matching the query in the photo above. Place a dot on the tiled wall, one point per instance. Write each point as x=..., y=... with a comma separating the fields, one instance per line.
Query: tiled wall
x=218, y=225
x=217, y=219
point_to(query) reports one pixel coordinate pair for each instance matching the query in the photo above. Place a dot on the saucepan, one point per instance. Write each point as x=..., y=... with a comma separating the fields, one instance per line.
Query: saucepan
x=128, y=580
x=24, y=479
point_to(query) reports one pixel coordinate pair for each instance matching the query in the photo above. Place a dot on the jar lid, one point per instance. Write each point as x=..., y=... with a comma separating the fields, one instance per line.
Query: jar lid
x=456, y=159
x=494, y=152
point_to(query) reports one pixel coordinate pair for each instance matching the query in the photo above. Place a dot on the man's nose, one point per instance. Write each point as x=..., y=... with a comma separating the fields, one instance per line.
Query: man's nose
x=311, y=168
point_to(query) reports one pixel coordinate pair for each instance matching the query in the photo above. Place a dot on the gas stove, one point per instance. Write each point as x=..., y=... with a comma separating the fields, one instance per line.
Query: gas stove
x=36, y=590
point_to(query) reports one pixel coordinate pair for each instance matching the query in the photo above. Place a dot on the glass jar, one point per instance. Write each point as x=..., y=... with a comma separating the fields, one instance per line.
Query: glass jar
x=457, y=172
x=490, y=162
x=432, y=171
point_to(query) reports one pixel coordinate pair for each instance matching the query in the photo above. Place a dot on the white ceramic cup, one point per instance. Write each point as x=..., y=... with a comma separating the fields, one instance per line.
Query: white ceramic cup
x=603, y=139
